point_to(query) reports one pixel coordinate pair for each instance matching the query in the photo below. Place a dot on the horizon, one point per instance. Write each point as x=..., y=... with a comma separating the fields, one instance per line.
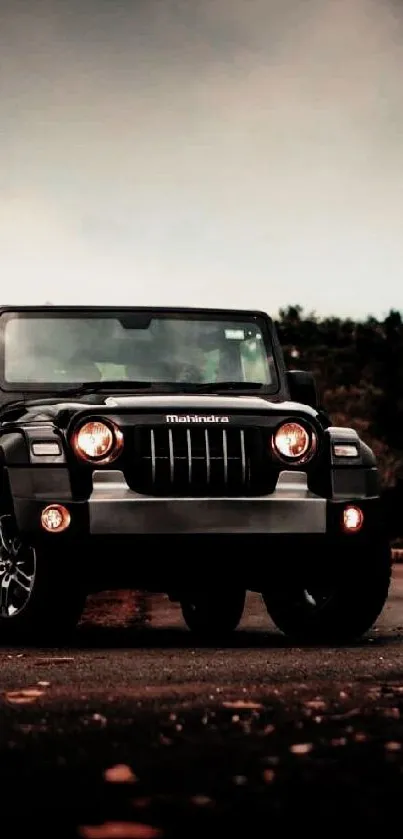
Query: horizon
x=305, y=314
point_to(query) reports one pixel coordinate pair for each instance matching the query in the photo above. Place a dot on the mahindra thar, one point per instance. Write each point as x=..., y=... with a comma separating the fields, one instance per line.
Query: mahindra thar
x=170, y=450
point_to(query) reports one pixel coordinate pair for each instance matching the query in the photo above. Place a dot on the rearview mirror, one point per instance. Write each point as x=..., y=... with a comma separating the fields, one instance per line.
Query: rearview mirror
x=302, y=388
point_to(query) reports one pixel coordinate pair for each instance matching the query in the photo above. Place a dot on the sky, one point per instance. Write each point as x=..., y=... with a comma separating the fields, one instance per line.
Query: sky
x=202, y=152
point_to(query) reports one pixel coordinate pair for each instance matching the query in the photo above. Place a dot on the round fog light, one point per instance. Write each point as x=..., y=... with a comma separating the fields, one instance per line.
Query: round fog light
x=353, y=519
x=55, y=518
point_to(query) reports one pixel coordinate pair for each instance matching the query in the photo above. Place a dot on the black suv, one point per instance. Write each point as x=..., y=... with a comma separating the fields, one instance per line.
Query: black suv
x=170, y=450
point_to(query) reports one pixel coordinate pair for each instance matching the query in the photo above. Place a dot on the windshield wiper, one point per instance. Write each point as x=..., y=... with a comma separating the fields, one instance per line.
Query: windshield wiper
x=210, y=387
x=110, y=384
x=84, y=388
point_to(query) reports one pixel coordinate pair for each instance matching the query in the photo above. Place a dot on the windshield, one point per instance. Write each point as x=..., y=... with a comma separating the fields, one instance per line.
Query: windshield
x=52, y=348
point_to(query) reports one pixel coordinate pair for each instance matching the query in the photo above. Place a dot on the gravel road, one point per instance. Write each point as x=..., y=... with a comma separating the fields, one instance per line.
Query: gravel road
x=134, y=732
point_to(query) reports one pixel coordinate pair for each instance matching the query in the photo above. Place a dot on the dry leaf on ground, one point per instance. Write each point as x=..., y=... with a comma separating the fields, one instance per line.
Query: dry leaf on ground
x=393, y=746
x=315, y=704
x=301, y=748
x=54, y=660
x=119, y=830
x=120, y=774
x=23, y=696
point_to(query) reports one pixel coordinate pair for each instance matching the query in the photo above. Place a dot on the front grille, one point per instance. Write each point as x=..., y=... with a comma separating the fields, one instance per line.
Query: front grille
x=199, y=461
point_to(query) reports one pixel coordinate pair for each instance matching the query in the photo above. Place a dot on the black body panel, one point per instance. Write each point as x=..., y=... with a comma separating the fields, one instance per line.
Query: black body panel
x=192, y=465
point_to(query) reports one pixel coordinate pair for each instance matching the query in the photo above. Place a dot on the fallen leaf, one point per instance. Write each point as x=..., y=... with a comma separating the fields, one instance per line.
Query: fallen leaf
x=268, y=729
x=393, y=746
x=391, y=713
x=119, y=830
x=360, y=737
x=21, y=697
x=269, y=776
x=301, y=748
x=54, y=660
x=241, y=703
x=338, y=741
x=120, y=774
x=316, y=704
x=201, y=800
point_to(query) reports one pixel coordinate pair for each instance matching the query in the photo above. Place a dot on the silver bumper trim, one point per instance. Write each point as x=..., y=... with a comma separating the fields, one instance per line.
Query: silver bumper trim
x=291, y=509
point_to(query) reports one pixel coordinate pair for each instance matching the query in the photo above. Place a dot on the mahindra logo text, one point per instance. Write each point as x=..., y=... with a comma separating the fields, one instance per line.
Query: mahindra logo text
x=195, y=418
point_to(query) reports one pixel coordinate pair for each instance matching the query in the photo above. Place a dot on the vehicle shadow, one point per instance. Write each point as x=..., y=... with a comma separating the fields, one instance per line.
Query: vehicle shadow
x=172, y=637
x=140, y=621
x=97, y=638
x=177, y=638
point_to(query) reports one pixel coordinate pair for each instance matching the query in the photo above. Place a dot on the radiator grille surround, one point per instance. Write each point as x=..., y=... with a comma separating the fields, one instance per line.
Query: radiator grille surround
x=201, y=460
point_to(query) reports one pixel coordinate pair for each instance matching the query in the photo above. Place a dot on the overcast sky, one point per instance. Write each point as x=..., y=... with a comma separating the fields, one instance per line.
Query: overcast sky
x=214, y=152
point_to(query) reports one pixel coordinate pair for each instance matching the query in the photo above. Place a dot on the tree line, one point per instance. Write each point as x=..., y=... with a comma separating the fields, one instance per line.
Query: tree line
x=358, y=366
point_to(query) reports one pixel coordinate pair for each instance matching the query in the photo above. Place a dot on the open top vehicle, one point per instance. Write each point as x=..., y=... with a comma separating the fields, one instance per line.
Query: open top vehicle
x=170, y=450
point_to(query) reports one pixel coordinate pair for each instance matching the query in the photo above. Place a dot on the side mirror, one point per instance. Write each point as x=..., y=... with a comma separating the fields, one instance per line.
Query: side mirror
x=302, y=388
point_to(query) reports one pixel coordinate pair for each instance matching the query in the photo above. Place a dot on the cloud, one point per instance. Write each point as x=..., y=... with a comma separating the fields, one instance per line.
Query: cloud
x=218, y=151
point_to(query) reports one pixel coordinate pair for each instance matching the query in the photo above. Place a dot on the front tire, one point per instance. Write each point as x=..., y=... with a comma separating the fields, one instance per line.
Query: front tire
x=40, y=599
x=215, y=614
x=339, y=608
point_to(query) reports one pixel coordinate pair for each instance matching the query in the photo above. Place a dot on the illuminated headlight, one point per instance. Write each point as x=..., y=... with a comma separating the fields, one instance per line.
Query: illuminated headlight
x=293, y=442
x=97, y=441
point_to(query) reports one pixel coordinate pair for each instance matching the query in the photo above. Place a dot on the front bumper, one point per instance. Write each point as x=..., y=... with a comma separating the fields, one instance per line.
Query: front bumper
x=113, y=509
x=119, y=538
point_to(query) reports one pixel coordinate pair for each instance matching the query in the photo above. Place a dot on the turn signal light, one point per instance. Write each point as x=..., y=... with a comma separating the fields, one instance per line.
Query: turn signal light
x=353, y=519
x=55, y=518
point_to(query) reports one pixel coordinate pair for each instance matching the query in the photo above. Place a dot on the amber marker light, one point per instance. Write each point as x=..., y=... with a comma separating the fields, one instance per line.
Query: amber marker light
x=55, y=518
x=353, y=519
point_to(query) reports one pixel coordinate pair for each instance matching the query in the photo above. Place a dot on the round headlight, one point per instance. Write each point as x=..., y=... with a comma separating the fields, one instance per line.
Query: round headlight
x=96, y=441
x=292, y=441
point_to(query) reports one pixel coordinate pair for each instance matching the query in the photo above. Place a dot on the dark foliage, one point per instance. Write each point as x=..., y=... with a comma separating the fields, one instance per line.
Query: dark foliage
x=359, y=371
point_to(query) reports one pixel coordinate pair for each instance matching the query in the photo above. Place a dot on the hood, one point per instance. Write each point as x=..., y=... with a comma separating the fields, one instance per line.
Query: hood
x=60, y=411
x=204, y=402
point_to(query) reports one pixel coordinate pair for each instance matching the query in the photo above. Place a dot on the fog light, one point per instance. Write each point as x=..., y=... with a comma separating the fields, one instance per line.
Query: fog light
x=353, y=519
x=55, y=518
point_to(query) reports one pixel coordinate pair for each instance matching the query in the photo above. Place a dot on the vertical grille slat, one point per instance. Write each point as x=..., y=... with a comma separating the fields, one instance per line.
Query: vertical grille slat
x=153, y=458
x=225, y=455
x=243, y=455
x=171, y=455
x=208, y=463
x=195, y=460
x=189, y=448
